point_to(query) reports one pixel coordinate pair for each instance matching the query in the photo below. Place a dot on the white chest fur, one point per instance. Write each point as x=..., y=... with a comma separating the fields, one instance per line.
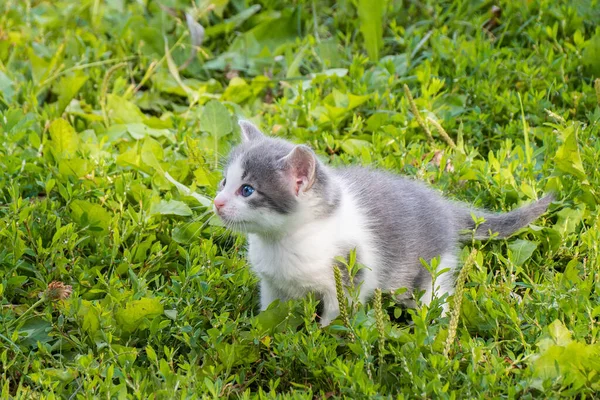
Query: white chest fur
x=301, y=261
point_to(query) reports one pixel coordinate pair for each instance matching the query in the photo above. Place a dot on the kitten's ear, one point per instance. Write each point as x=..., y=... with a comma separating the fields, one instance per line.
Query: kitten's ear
x=249, y=131
x=301, y=163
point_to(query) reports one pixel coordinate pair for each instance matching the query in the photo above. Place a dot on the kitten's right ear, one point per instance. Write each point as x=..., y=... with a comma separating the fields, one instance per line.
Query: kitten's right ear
x=249, y=131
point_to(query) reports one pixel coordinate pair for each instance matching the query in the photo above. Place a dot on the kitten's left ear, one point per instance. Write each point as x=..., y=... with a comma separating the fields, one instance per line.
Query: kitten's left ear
x=301, y=163
x=249, y=131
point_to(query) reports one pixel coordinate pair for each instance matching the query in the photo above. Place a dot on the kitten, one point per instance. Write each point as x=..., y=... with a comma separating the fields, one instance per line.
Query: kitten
x=299, y=214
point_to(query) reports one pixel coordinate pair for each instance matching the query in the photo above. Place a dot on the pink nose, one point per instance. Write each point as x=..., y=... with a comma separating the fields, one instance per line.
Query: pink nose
x=219, y=203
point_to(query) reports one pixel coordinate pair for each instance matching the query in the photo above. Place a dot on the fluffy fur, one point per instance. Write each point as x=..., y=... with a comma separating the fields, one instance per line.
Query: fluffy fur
x=302, y=214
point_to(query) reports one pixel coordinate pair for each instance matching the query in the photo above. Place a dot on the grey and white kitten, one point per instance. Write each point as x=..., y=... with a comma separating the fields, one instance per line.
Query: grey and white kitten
x=300, y=214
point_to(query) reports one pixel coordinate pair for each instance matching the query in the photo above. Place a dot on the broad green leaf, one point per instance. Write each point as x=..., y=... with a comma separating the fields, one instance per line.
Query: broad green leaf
x=91, y=215
x=55, y=374
x=64, y=141
x=572, y=272
x=135, y=312
x=559, y=333
x=219, y=6
x=77, y=167
x=140, y=131
x=545, y=365
x=347, y=101
x=90, y=316
x=341, y=72
x=561, y=357
x=159, y=180
x=151, y=354
x=377, y=120
x=35, y=330
x=139, y=251
x=237, y=91
x=270, y=34
x=270, y=318
x=337, y=106
x=399, y=63
x=569, y=219
x=152, y=154
x=568, y=158
x=14, y=120
x=171, y=207
x=6, y=88
x=74, y=108
x=125, y=355
x=255, y=48
x=122, y=111
x=204, y=177
x=521, y=250
x=370, y=16
x=171, y=314
x=165, y=82
x=39, y=66
x=67, y=88
x=132, y=158
x=237, y=353
x=330, y=52
x=591, y=55
x=233, y=22
x=216, y=119
x=354, y=146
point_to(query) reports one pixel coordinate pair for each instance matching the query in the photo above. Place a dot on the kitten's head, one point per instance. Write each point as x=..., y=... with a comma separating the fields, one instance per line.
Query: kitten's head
x=268, y=185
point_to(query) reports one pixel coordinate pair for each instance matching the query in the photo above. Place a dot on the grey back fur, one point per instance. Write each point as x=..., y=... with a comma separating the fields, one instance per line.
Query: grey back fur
x=412, y=221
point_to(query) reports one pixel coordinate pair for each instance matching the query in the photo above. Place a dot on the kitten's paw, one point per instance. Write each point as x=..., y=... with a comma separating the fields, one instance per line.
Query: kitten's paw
x=328, y=317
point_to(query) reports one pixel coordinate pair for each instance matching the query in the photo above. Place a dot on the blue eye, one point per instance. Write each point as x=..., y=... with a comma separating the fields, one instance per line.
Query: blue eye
x=246, y=190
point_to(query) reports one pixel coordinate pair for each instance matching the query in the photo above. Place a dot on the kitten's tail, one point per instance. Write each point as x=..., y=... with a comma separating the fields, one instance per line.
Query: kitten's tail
x=505, y=224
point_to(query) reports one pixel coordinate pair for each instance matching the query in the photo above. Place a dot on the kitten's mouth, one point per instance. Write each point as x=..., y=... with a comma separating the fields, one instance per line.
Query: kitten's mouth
x=223, y=217
x=234, y=224
x=237, y=225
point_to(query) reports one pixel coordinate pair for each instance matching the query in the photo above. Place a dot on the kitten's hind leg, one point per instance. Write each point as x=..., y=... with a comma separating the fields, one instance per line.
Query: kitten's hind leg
x=331, y=307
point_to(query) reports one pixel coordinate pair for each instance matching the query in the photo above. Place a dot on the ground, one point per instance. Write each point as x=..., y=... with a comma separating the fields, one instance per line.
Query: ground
x=115, y=283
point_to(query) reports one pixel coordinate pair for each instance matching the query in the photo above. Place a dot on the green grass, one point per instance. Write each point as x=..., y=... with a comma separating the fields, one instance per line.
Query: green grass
x=95, y=111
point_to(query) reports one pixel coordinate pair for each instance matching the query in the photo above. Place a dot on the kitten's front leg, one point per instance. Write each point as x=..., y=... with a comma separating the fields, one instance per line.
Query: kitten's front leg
x=331, y=308
x=268, y=294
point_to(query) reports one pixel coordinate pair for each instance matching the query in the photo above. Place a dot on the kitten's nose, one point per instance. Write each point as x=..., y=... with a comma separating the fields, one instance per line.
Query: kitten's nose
x=219, y=203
